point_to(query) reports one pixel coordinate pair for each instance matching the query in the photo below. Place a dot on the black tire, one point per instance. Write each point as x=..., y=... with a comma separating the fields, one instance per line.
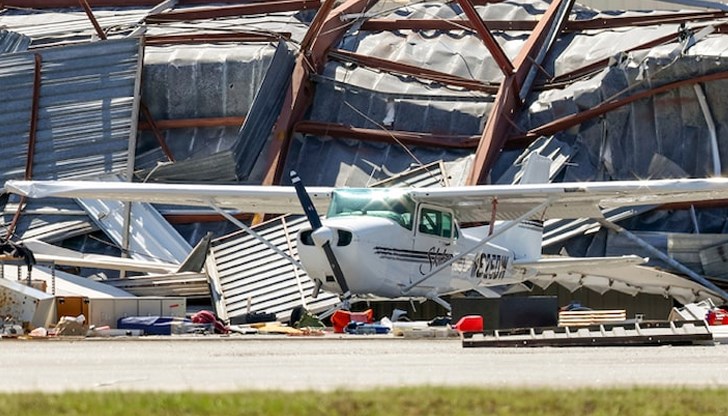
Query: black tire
x=296, y=315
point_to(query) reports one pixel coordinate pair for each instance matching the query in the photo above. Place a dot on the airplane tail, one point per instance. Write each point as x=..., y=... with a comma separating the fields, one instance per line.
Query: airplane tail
x=525, y=238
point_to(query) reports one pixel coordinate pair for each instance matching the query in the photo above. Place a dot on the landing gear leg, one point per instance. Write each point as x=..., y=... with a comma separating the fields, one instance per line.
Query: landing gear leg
x=440, y=301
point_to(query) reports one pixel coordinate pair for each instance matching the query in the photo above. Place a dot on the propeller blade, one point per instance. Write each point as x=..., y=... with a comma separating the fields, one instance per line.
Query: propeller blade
x=338, y=274
x=306, y=203
x=315, y=221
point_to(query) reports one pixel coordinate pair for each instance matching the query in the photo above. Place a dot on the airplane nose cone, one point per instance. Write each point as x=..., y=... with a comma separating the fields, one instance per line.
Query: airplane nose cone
x=323, y=235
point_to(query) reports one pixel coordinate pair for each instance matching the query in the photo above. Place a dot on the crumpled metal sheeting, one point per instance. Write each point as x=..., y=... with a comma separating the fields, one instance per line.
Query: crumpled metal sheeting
x=576, y=50
x=263, y=113
x=621, y=144
x=367, y=109
x=49, y=27
x=361, y=163
x=295, y=23
x=233, y=161
x=507, y=10
x=12, y=42
x=195, y=81
x=50, y=220
x=455, y=52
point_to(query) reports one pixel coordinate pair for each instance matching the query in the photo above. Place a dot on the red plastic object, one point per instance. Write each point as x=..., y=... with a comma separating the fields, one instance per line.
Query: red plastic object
x=207, y=317
x=470, y=323
x=341, y=318
x=717, y=317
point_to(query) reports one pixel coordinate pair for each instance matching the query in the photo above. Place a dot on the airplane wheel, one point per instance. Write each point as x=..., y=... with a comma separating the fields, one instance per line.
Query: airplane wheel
x=296, y=315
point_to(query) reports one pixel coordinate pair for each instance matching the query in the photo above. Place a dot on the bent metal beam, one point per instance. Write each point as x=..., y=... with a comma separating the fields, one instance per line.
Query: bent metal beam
x=508, y=101
x=326, y=30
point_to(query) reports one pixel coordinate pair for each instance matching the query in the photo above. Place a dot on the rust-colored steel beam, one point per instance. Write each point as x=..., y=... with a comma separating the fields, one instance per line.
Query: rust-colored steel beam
x=602, y=63
x=157, y=133
x=55, y=4
x=715, y=203
x=190, y=123
x=508, y=101
x=204, y=217
x=411, y=70
x=599, y=65
x=32, y=138
x=529, y=25
x=300, y=91
x=314, y=29
x=231, y=11
x=86, y=8
x=216, y=37
x=391, y=136
x=35, y=109
x=564, y=123
x=496, y=52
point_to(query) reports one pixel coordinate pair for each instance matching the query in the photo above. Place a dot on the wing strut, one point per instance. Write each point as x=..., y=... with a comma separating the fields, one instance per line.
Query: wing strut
x=507, y=226
x=259, y=237
x=667, y=259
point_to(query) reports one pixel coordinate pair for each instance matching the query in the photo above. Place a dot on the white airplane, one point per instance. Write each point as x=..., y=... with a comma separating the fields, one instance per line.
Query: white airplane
x=407, y=243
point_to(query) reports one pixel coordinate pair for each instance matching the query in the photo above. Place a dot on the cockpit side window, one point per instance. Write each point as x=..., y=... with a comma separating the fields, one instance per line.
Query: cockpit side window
x=436, y=222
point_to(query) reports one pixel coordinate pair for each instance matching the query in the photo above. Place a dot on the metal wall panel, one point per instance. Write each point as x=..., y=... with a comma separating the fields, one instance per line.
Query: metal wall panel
x=87, y=109
x=246, y=275
x=264, y=112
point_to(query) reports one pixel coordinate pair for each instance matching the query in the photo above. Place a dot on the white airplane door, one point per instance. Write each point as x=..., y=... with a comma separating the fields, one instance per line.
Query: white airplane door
x=435, y=233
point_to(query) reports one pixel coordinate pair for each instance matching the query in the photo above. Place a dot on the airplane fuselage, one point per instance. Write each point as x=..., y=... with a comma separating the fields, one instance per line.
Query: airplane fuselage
x=384, y=244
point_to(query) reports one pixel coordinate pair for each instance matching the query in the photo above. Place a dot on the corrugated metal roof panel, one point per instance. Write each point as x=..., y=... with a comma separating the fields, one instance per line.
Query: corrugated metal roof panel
x=264, y=111
x=49, y=27
x=433, y=175
x=246, y=275
x=12, y=42
x=87, y=109
x=360, y=163
x=50, y=220
x=188, y=284
x=556, y=150
x=195, y=81
x=151, y=237
x=623, y=143
x=685, y=248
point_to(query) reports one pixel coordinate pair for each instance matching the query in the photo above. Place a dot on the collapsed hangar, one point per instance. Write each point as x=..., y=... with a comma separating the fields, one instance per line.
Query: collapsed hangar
x=237, y=92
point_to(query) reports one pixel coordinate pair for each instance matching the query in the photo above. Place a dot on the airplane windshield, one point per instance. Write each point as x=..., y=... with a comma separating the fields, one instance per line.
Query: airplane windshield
x=373, y=202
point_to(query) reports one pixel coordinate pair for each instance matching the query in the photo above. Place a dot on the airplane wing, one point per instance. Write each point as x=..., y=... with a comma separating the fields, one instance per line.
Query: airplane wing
x=567, y=200
x=623, y=274
x=247, y=198
x=470, y=203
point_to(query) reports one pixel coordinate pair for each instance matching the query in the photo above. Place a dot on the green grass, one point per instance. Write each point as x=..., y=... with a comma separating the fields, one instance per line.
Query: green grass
x=404, y=401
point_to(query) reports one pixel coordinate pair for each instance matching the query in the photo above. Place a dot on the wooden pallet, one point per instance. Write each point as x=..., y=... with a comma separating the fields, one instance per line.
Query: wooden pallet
x=594, y=317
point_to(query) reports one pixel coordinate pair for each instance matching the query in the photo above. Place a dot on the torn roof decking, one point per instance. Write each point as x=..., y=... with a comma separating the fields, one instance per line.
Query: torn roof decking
x=580, y=44
x=623, y=143
x=454, y=52
x=349, y=94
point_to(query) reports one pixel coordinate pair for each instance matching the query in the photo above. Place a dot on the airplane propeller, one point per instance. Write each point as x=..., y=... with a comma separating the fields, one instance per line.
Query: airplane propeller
x=321, y=235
